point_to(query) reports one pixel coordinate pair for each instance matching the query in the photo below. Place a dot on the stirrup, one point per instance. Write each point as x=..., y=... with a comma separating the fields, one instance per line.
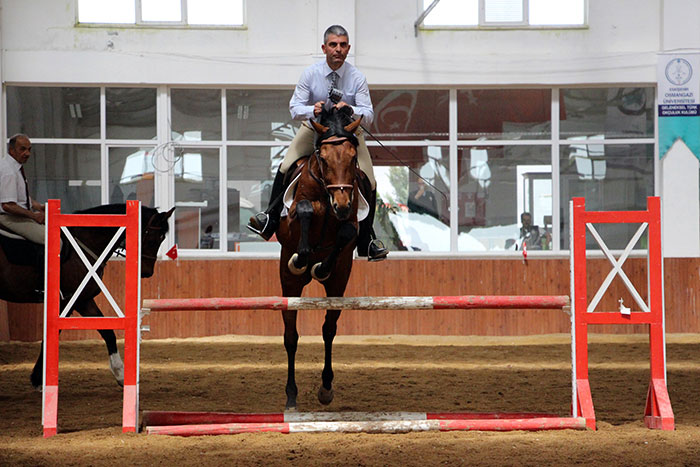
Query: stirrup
x=258, y=224
x=376, y=251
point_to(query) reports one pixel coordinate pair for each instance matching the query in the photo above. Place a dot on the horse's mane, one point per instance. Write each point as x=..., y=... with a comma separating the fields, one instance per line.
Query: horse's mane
x=336, y=120
x=109, y=209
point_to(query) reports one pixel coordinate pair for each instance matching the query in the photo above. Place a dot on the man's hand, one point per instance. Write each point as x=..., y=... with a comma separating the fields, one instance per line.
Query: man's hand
x=318, y=107
x=342, y=104
x=38, y=216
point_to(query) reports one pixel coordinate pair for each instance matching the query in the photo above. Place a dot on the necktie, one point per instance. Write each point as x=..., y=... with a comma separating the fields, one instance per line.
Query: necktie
x=26, y=187
x=334, y=79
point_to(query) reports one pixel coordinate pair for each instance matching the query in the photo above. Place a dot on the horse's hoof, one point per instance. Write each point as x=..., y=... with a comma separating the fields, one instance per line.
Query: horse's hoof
x=325, y=396
x=292, y=267
x=37, y=384
x=315, y=275
x=117, y=367
x=290, y=409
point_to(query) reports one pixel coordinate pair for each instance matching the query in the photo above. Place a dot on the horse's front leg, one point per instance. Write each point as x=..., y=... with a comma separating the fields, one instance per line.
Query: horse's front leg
x=346, y=233
x=90, y=308
x=300, y=260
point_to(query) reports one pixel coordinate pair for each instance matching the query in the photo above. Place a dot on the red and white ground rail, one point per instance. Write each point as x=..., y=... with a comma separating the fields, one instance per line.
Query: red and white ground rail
x=56, y=319
x=658, y=412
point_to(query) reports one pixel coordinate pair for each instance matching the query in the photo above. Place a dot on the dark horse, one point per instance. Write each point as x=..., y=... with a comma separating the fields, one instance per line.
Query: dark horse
x=319, y=234
x=21, y=281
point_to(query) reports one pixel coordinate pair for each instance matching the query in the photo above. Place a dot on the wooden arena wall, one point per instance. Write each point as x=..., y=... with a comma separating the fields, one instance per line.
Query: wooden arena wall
x=242, y=278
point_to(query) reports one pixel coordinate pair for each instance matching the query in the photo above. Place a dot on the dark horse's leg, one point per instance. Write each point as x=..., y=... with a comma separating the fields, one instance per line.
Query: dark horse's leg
x=300, y=260
x=334, y=288
x=292, y=286
x=322, y=271
x=86, y=308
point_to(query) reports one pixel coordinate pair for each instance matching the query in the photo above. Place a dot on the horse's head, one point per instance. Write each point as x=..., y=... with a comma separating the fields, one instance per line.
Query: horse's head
x=154, y=227
x=337, y=159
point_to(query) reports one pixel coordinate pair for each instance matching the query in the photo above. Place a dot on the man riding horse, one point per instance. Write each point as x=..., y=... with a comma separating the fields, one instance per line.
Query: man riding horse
x=19, y=213
x=342, y=85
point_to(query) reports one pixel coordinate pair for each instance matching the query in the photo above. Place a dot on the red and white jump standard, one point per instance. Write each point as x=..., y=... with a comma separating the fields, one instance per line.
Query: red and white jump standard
x=56, y=319
x=658, y=412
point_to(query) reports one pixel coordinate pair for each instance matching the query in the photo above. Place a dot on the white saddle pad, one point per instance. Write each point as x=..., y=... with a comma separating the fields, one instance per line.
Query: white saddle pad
x=288, y=199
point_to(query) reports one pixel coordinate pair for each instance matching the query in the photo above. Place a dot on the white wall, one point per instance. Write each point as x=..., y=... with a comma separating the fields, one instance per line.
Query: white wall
x=43, y=45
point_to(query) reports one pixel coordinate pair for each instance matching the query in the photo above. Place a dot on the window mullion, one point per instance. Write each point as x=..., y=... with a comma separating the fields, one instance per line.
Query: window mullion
x=139, y=17
x=526, y=12
x=183, y=11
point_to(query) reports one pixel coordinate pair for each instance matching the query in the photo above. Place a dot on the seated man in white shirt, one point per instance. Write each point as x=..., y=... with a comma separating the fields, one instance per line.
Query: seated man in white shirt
x=332, y=76
x=18, y=212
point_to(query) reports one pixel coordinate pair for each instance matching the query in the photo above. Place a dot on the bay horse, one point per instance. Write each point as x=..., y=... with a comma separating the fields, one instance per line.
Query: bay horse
x=22, y=281
x=319, y=233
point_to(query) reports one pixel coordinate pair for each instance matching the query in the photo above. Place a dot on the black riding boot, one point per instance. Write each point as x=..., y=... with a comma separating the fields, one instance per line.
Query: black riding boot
x=265, y=223
x=367, y=242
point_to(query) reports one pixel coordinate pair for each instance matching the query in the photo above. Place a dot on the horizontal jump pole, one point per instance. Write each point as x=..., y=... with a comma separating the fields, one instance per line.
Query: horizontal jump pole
x=164, y=418
x=464, y=302
x=395, y=426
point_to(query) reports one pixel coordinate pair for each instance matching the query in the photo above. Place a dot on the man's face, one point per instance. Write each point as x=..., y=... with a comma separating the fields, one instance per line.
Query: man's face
x=336, y=49
x=21, y=150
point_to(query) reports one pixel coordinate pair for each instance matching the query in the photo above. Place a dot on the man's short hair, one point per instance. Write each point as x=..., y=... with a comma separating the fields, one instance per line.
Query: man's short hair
x=14, y=138
x=336, y=29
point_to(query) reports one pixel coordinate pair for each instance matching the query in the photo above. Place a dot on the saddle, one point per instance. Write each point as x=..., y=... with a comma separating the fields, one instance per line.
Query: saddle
x=18, y=250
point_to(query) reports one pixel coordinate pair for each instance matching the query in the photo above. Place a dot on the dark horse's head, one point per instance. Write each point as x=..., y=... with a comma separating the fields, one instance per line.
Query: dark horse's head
x=337, y=158
x=154, y=227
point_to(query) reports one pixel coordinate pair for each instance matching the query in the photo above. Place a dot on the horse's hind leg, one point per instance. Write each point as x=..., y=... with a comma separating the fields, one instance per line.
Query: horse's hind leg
x=334, y=288
x=37, y=376
x=330, y=327
x=291, y=338
x=89, y=308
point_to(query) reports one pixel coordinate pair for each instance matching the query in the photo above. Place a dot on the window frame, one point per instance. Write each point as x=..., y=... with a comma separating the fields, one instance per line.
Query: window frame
x=164, y=181
x=489, y=25
x=182, y=24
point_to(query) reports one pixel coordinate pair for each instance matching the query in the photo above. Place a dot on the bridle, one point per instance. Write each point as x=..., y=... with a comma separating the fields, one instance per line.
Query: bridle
x=322, y=179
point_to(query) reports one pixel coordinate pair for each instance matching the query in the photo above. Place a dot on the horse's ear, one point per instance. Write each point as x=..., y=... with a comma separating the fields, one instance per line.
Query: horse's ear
x=353, y=126
x=320, y=129
x=169, y=213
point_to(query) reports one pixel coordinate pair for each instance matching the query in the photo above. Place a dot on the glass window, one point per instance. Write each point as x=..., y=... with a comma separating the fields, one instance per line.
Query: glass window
x=195, y=114
x=557, y=12
x=131, y=175
x=410, y=114
x=489, y=114
x=505, y=13
x=161, y=10
x=613, y=177
x=47, y=112
x=250, y=172
x=99, y=11
x=452, y=13
x=607, y=112
x=197, y=12
x=497, y=185
x=69, y=172
x=215, y=12
x=413, y=212
x=259, y=115
x=131, y=113
x=197, y=197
